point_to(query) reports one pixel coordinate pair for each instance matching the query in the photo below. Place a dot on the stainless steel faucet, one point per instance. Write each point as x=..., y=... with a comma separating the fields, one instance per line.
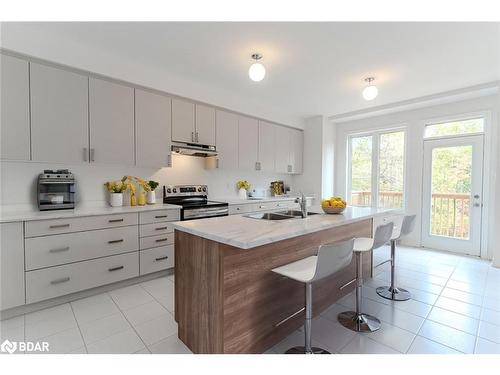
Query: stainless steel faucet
x=303, y=205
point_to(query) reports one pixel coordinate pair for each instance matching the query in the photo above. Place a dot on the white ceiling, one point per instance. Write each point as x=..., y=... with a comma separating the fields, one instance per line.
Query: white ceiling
x=312, y=68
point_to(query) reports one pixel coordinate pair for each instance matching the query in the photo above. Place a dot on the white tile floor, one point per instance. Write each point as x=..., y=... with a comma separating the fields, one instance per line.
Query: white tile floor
x=455, y=309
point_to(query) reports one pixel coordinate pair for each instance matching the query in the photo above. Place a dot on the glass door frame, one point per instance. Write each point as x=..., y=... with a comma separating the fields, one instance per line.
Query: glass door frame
x=473, y=245
x=375, y=134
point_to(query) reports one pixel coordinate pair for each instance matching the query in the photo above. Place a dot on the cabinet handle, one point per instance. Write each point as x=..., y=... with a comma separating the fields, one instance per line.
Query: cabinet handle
x=115, y=268
x=161, y=228
x=116, y=241
x=160, y=216
x=115, y=220
x=59, y=226
x=217, y=163
x=162, y=239
x=161, y=258
x=92, y=154
x=60, y=250
x=85, y=154
x=192, y=136
x=257, y=166
x=169, y=160
x=197, y=139
x=60, y=281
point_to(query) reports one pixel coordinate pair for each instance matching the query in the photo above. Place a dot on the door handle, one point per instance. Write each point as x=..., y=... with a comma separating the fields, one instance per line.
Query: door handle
x=476, y=196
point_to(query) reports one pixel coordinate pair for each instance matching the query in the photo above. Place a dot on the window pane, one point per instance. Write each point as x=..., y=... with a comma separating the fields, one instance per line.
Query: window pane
x=455, y=128
x=361, y=171
x=391, y=169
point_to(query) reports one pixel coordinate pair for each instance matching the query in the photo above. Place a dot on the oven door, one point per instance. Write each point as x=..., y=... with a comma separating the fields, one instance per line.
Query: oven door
x=204, y=212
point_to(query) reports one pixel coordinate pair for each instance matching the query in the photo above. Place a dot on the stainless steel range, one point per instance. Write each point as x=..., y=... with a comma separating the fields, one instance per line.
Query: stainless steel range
x=194, y=201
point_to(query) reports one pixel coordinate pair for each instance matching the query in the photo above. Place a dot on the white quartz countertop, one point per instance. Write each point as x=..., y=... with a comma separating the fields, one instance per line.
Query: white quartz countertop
x=13, y=214
x=246, y=233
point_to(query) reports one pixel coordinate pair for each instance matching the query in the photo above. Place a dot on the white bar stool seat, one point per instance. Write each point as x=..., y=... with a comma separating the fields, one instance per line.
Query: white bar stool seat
x=330, y=259
x=357, y=320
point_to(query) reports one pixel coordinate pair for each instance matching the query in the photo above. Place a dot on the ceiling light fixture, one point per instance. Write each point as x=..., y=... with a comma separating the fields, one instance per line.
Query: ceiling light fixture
x=370, y=92
x=257, y=72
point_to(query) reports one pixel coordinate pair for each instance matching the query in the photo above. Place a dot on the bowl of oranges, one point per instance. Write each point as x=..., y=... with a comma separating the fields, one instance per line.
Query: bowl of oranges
x=334, y=205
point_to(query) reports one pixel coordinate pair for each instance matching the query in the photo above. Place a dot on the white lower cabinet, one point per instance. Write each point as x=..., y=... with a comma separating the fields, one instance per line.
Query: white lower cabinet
x=11, y=265
x=70, y=278
x=156, y=259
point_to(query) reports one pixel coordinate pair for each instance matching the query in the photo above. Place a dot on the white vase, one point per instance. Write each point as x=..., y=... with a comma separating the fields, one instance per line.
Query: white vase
x=116, y=199
x=242, y=194
x=151, y=197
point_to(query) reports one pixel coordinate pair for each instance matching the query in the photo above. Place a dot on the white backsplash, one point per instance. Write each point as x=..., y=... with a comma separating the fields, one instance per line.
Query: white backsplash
x=18, y=179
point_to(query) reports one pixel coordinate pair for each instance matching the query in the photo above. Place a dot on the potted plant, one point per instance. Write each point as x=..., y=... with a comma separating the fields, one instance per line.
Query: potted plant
x=242, y=186
x=151, y=195
x=115, y=189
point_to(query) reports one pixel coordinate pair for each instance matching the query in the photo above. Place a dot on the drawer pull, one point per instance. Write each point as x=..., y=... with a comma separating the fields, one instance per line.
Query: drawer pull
x=116, y=268
x=162, y=239
x=116, y=241
x=60, y=281
x=59, y=226
x=60, y=250
x=160, y=216
x=161, y=228
x=115, y=221
x=161, y=258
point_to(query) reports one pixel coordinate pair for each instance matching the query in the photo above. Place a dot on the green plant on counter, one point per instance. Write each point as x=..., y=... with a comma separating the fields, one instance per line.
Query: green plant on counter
x=243, y=184
x=153, y=185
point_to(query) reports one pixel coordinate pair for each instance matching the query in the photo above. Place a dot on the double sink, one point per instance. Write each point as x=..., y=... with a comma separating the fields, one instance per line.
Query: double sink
x=281, y=215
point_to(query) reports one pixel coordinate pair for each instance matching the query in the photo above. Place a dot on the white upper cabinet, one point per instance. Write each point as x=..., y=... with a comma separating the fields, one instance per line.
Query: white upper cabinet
x=266, y=156
x=183, y=121
x=205, y=125
x=248, y=143
x=153, y=129
x=111, y=122
x=15, y=129
x=59, y=115
x=11, y=265
x=227, y=140
x=282, y=149
x=296, y=150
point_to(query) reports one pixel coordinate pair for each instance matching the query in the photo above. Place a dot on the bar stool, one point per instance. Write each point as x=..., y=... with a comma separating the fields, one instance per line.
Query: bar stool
x=331, y=258
x=357, y=320
x=392, y=292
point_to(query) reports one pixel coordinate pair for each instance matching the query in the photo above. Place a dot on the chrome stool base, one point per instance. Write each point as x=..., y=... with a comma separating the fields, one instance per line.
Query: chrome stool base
x=394, y=294
x=358, y=322
x=302, y=350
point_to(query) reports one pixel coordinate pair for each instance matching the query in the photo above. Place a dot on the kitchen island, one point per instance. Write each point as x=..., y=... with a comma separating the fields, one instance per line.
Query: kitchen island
x=227, y=300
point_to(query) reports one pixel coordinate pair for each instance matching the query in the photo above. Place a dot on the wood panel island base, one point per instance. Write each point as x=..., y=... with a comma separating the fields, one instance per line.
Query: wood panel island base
x=227, y=300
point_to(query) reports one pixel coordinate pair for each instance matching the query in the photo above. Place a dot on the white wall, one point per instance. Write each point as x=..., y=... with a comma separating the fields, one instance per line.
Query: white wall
x=414, y=122
x=18, y=179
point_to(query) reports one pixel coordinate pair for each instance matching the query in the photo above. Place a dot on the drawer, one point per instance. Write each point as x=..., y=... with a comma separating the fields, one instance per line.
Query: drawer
x=59, y=249
x=57, y=281
x=235, y=209
x=78, y=224
x=157, y=259
x=156, y=241
x=159, y=216
x=146, y=230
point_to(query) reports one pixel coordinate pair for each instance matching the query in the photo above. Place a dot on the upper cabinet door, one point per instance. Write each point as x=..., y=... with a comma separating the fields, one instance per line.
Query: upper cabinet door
x=205, y=125
x=183, y=129
x=248, y=138
x=266, y=146
x=282, y=149
x=15, y=129
x=59, y=115
x=296, y=150
x=153, y=129
x=111, y=122
x=227, y=140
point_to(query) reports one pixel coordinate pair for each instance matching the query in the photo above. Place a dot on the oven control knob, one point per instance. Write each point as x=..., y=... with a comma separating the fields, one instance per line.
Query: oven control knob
x=199, y=189
x=169, y=190
x=204, y=189
x=175, y=190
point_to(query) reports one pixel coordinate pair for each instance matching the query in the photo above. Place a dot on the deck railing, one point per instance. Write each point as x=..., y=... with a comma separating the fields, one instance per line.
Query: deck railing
x=450, y=212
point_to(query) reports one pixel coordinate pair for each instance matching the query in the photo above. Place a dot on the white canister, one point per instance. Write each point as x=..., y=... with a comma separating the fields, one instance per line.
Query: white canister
x=242, y=193
x=116, y=199
x=151, y=197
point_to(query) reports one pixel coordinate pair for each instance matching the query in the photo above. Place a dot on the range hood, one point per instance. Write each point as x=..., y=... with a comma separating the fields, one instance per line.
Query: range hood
x=193, y=149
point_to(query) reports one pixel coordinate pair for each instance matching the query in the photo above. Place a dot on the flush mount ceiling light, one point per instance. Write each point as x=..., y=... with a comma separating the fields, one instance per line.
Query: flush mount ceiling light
x=371, y=91
x=257, y=72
